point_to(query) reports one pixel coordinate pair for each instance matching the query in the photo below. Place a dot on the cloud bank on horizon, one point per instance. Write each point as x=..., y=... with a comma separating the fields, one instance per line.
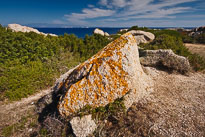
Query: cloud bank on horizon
x=130, y=12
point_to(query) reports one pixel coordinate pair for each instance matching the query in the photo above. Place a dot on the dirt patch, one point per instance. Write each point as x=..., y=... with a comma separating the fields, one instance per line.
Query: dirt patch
x=196, y=48
x=176, y=108
x=18, y=116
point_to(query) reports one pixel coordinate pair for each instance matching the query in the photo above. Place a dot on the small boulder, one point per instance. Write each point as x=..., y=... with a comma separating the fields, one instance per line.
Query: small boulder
x=100, y=32
x=142, y=36
x=121, y=30
x=164, y=58
x=84, y=126
x=106, y=34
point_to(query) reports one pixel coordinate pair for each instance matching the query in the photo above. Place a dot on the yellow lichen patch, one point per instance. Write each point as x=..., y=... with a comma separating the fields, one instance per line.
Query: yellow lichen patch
x=104, y=80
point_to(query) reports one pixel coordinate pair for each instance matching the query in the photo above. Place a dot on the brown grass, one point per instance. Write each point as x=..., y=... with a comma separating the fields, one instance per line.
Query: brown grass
x=176, y=108
x=19, y=118
x=196, y=48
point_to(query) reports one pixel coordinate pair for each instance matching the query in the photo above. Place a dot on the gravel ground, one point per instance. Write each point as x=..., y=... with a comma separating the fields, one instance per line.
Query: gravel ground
x=175, y=108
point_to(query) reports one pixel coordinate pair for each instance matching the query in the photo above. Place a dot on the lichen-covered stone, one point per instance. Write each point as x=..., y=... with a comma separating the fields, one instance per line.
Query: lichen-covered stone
x=110, y=74
x=166, y=58
x=84, y=126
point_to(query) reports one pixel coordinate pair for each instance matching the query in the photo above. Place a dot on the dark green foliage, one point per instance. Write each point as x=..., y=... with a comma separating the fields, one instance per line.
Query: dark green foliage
x=194, y=39
x=30, y=62
x=186, y=38
x=200, y=38
x=166, y=41
x=139, y=28
x=102, y=113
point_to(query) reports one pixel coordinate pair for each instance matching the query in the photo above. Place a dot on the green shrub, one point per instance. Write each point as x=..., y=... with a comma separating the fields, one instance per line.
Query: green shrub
x=165, y=41
x=30, y=62
x=102, y=113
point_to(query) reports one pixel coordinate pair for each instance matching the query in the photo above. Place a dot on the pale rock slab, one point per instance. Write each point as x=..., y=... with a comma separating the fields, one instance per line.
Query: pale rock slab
x=20, y=28
x=142, y=36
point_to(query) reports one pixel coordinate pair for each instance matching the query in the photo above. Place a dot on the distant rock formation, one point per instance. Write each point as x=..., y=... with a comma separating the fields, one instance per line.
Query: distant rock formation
x=20, y=28
x=197, y=31
x=112, y=73
x=100, y=32
x=164, y=58
x=121, y=30
x=142, y=36
x=200, y=29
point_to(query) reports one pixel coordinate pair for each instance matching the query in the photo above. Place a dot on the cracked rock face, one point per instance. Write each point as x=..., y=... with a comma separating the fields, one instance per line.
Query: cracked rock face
x=112, y=73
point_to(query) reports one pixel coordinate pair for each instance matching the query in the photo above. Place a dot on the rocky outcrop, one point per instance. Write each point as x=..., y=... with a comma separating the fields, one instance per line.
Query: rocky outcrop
x=121, y=30
x=112, y=73
x=142, y=36
x=164, y=58
x=19, y=28
x=197, y=31
x=200, y=29
x=100, y=32
x=84, y=126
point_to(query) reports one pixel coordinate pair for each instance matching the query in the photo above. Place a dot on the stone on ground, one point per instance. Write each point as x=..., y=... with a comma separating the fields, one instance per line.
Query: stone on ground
x=164, y=58
x=100, y=32
x=142, y=36
x=112, y=73
x=84, y=126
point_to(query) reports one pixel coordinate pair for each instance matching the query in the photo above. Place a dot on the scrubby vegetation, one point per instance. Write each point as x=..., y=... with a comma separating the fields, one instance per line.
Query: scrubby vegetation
x=171, y=39
x=200, y=39
x=102, y=113
x=166, y=41
x=30, y=62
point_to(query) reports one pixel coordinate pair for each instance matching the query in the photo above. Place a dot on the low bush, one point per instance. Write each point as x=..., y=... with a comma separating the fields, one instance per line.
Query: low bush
x=165, y=41
x=30, y=62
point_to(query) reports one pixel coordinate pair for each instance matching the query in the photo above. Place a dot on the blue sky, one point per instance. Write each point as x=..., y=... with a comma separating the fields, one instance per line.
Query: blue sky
x=103, y=13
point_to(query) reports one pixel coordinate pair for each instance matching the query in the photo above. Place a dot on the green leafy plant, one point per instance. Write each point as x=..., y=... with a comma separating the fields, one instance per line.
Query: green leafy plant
x=30, y=62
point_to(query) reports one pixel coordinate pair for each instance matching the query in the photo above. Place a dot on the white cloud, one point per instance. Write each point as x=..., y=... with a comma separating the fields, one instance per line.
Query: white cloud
x=88, y=14
x=119, y=10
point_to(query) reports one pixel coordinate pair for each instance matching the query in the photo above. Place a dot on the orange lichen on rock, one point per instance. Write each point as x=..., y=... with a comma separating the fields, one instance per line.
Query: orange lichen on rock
x=100, y=80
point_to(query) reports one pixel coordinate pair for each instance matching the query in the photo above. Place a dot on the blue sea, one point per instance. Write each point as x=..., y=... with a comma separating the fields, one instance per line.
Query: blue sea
x=81, y=32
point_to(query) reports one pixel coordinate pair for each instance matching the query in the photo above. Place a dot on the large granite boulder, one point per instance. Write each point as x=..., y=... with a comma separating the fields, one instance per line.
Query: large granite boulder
x=20, y=28
x=112, y=73
x=164, y=58
x=142, y=36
